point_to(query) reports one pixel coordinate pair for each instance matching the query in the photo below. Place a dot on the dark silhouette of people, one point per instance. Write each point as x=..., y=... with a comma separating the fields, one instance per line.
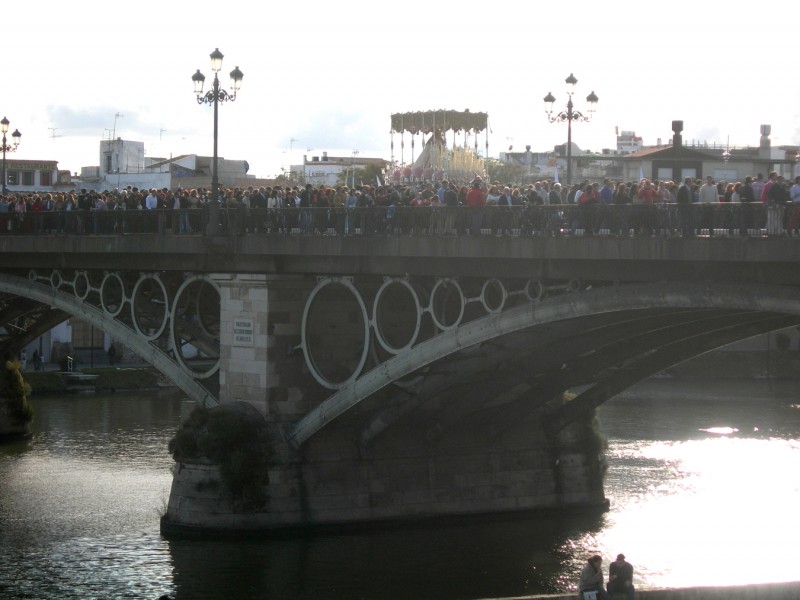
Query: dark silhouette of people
x=620, y=577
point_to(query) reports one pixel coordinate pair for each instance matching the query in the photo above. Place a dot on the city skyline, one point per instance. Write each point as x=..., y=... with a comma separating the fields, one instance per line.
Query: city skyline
x=328, y=80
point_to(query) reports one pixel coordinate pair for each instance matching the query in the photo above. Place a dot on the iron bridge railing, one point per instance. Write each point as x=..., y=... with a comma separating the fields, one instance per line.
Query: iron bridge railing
x=731, y=219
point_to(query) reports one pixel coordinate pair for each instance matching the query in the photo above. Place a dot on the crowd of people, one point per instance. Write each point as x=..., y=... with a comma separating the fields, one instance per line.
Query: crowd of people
x=692, y=207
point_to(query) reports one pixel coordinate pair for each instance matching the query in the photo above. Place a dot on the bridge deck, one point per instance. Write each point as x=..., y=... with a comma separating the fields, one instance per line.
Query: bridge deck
x=752, y=259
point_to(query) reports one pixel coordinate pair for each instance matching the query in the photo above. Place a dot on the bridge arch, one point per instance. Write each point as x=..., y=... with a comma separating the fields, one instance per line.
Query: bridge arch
x=48, y=294
x=753, y=298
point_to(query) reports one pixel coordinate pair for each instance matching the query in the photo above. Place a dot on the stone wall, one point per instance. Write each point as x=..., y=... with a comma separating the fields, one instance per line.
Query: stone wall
x=408, y=474
x=763, y=591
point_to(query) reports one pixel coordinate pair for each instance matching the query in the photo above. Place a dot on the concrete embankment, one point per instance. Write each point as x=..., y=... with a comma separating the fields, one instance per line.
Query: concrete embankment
x=761, y=591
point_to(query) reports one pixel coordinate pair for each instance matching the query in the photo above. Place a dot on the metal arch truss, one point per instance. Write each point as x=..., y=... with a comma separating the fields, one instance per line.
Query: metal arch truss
x=171, y=320
x=499, y=321
x=444, y=301
x=448, y=305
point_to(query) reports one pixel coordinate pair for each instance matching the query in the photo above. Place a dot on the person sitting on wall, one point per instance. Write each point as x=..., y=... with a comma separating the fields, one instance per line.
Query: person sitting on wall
x=620, y=577
x=592, y=580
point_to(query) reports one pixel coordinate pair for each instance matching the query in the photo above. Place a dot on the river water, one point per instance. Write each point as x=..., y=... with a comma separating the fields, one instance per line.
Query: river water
x=704, y=483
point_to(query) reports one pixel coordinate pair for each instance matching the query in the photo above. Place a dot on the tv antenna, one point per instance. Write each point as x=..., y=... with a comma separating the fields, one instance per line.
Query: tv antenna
x=114, y=131
x=53, y=135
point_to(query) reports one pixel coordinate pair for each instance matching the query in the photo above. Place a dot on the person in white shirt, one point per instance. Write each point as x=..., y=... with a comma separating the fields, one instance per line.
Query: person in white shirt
x=709, y=196
x=151, y=202
x=708, y=192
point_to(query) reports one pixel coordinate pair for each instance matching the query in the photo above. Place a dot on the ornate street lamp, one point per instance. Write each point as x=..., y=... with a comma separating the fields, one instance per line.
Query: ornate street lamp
x=214, y=97
x=569, y=116
x=8, y=148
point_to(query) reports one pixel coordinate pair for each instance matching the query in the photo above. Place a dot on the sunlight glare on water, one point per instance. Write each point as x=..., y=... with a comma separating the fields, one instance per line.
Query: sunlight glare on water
x=726, y=507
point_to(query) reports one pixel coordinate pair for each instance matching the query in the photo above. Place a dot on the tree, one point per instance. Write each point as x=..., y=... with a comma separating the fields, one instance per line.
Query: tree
x=504, y=172
x=368, y=175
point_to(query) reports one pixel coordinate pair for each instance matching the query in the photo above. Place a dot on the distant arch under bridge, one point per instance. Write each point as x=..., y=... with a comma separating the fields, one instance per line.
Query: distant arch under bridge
x=136, y=312
x=651, y=326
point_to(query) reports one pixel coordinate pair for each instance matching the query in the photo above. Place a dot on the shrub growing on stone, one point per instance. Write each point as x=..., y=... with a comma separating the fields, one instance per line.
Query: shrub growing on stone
x=233, y=437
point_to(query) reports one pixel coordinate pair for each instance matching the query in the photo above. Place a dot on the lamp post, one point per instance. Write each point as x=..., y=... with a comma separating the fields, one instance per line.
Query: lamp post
x=8, y=148
x=214, y=97
x=569, y=116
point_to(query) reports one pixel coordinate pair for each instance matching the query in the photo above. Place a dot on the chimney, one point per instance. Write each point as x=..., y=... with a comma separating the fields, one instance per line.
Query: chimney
x=677, y=138
x=325, y=157
x=765, y=131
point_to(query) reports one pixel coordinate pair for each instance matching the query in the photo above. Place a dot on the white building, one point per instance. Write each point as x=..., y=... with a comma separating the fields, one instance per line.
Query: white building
x=123, y=163
x=36, y=176
x=331, y=170
x=628, y=142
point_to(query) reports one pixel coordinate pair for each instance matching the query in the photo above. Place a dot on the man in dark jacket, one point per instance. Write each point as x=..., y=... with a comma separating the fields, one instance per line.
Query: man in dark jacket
x=620, y=577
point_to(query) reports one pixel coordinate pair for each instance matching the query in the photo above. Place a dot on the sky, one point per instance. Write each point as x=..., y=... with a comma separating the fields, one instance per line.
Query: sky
x=327, y=76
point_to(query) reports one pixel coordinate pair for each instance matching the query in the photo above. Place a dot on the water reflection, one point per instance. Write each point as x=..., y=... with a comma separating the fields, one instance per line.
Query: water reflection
x=488, y=557
x=699, y=479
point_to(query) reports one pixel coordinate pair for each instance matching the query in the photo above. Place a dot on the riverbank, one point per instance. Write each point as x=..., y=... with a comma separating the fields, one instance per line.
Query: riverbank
x=763, y=591
x=104, y=379
x=723, y=364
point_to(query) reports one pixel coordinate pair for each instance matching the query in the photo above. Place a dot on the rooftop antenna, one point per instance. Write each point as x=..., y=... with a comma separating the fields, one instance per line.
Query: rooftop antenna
x=53, y=133
x=114, y=131
x=291, y=143
x=726, y=156
x=161, y=134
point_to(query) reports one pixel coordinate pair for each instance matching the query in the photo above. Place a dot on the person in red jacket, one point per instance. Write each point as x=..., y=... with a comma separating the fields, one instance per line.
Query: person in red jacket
x=476, y=200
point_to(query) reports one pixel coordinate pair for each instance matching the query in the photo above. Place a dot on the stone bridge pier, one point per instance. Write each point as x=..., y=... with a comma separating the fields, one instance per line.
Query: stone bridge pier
x=437, y=437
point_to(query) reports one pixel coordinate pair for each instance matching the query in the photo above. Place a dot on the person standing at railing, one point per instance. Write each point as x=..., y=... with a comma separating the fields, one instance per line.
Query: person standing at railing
x=622, y=208
x=758, y=187
x=794, y=217
x=662, y=205
x=605, y=200
x=350, y=205
x=151, y=201
x=20, y=208
x=503, y=219
x=305, y=208
x=709, y=200
x=436, y=215
x=475, y=203
x=747, y=198
x=36, y=212
x=778, y=202
x=57, y=217
x=99, y=214
x=451, y=206
x=587, y=206
x=184, y=205
x=276, y=208
x=554, y=196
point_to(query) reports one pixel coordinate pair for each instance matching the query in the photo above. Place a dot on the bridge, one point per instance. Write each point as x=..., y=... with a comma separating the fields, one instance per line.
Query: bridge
x=404, y=374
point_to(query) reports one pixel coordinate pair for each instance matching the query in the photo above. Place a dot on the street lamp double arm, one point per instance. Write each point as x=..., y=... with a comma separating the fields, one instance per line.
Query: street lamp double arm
x=569, y=116
x=8, y=148
x=214, y=96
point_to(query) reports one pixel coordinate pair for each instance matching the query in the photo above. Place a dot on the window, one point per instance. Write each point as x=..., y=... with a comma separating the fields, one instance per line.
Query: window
x=27, y=178
x=108, y=163
x=725, y=175
x=13, y=178
x=46, y=178
x=664, y=173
